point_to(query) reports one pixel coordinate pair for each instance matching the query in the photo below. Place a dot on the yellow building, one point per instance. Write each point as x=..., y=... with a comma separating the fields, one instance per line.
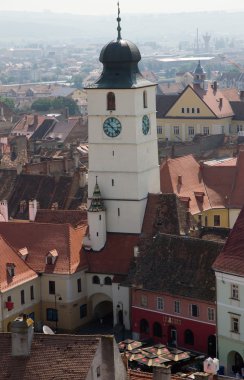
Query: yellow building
x=200, y=109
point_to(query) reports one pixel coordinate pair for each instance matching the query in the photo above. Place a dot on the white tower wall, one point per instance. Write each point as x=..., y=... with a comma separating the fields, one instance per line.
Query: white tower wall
x=97, y=229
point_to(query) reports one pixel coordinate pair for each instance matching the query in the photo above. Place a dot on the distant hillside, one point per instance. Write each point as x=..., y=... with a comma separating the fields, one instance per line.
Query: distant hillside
x=137, y=27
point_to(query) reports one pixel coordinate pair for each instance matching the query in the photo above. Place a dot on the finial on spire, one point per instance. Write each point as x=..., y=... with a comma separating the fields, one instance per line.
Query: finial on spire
x=96, y=179
x=118, y=19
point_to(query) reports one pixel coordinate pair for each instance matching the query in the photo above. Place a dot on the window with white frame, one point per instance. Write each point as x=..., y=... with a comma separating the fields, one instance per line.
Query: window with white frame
x=159, y=130
x=235, y=324
x=177, y=306
x=206, y=131
x=143, y=300
x=160, y=303
x=191, y=131
x=211, y=314
x=194, y=310
x=176, y=130
x=240, y=128
x=235, y=291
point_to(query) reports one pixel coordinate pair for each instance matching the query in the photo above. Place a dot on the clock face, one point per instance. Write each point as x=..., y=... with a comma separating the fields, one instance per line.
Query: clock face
x=112, y=127
x=145, y=124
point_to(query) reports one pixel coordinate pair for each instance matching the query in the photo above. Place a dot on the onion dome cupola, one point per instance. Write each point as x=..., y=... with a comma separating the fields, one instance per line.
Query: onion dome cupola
x=199, y=74
x=120, y=59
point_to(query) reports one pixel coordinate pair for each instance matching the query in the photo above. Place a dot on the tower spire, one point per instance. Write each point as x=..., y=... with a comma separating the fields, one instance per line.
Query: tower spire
x=118, y=27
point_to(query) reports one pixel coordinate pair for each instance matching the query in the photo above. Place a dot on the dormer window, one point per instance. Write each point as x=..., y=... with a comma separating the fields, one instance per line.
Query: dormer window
x=110, y=101
x=199, y=196
x=23, y=252
x=11, y=269
x=51, y=257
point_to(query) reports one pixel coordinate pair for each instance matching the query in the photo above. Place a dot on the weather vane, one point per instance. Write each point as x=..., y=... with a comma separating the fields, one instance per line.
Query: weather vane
x=118, y=19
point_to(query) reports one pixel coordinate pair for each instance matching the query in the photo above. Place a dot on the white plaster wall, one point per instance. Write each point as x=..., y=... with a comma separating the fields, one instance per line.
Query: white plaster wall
x=227, y=340
x=97, y=226
x=121, y=296
x=233, y=215
x=123, y=158
x=65, y=286
x=16, y=299
x=97, y=362
x=101, y=288
x=131, y=216
x=132, y=186
x=128, y=101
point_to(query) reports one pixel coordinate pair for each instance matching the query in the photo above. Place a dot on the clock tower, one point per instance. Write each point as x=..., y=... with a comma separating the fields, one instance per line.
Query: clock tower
x=123, y=152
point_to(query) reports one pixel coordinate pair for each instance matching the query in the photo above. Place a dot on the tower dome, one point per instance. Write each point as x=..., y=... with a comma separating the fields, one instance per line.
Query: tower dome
x=120, y=51
x=120, y=59
x=199, y=74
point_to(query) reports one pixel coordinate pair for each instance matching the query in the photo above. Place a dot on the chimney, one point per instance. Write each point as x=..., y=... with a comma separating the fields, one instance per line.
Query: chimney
x=179, y=179
x=66, y=164
x=35, y=120
x=4, y=210
x=66, y=113
x=220, y=102
x=76, y=158
x=32, y=210
x=2, y=118
x=215, y=85
x=83, y=178
x=22, y=335
x=162, y=373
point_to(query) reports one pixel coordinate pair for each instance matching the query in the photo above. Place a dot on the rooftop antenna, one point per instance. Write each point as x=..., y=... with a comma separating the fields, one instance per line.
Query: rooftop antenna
x=197, y=41
x=118, y=27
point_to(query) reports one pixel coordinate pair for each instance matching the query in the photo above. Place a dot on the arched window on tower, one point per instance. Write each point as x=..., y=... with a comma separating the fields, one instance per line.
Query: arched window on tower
x=144, y=99
x=110, y=101
x=95, y=280
x=107, y=281
x=189, y=337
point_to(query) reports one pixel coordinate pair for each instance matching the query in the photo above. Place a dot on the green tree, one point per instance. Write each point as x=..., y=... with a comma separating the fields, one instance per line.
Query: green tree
x=43, y=104
x=61, y=102
x=8, y=102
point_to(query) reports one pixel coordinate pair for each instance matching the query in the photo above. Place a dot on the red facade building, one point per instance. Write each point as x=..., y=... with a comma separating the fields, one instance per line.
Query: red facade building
x=179, y=321
x=173, y=292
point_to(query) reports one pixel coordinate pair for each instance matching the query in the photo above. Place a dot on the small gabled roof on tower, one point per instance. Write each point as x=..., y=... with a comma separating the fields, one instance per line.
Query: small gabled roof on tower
x=97, y=204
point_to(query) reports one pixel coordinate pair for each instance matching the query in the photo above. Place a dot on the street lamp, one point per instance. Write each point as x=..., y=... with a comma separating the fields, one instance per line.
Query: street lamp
x=56, y=296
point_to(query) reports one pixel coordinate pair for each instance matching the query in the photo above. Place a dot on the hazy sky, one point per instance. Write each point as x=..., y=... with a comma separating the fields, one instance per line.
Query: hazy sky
x=127, y=6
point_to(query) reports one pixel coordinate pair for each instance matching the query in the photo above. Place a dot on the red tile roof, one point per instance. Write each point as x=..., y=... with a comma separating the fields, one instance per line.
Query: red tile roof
x=115, y=257
x=183, y=177
x=22, y=273
x=232, y=94
x=73, y=217
x=221, y=182
x=237, y=192
x=212, y=99
x=40, y=238
x=218, y=182
x=52, y=357
x=231, y=258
